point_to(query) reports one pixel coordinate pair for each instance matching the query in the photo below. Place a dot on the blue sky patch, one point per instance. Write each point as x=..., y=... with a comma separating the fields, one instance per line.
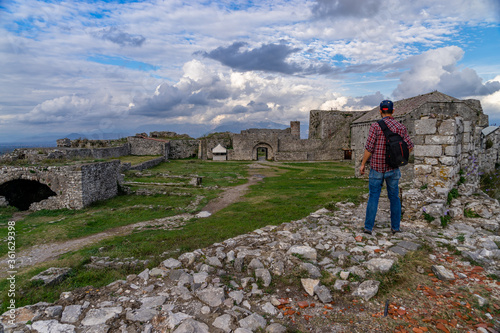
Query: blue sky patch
x=122, y=62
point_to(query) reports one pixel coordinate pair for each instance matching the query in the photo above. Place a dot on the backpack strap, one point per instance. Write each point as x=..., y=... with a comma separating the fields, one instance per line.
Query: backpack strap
x=384, y=128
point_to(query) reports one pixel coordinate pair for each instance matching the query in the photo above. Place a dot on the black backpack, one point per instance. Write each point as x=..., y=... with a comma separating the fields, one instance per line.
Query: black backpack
x=397, y=152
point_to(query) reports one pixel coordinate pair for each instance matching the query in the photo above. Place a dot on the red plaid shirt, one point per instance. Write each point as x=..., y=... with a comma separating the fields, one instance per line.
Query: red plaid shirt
x=375, y=143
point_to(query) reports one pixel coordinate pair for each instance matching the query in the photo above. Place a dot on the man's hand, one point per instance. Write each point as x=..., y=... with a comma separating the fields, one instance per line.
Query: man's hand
x=366, y=156
x=362, y=169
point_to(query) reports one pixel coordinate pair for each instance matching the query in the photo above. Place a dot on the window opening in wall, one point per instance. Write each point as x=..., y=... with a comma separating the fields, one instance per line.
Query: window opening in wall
x=21, y=193
x=347, y=154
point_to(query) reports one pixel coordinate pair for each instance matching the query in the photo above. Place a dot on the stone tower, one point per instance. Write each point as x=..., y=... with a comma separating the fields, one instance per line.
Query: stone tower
x=295, y=129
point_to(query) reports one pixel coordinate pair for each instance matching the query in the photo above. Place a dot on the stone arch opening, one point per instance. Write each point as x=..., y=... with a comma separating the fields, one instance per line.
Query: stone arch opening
x=263, y=151
x=21, y=193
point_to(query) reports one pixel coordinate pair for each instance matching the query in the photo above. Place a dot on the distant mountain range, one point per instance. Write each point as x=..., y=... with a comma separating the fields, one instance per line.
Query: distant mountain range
x=193, y=130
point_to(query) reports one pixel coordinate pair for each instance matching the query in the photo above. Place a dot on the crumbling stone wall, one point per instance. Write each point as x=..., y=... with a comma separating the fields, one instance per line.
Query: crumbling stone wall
x=99, y=181
x=211, y=141
x=332, y=124
x=169, y=135
x=146, y=146
x=245, y=145
x=85, y=143
x=468, y=110
x=183, y=149
x=330, y=134
x=448, y=154
x=308, y=150
x=76, y=186
x=489, y=158
x=38, y=155
x=141, y=166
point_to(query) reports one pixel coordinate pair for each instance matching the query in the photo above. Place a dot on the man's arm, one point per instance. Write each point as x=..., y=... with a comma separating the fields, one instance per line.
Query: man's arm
x=366, y=156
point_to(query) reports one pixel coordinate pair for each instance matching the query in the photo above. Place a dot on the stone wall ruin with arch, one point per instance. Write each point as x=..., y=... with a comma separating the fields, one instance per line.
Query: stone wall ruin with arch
x=57, y=187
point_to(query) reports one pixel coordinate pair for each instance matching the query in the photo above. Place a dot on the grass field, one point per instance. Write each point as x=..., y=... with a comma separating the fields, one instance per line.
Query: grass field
x=289, y=191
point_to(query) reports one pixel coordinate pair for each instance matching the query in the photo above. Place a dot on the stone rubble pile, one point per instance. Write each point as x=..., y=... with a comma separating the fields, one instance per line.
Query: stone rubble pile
x=242, y=284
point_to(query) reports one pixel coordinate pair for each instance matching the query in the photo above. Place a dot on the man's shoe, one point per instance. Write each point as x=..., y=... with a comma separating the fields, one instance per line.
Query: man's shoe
x=395, y=231
x=366, y=231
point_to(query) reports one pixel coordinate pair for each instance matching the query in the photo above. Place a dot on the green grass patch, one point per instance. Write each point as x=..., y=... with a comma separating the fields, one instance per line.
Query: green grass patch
x=453, y=194
x=402, y=276
x=137, y=159
x=470, y=213
x=6, y=215
x=289, y=192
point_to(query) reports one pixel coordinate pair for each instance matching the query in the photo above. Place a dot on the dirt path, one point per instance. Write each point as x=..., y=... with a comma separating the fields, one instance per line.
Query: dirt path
x=233, y=194
x=44, y=252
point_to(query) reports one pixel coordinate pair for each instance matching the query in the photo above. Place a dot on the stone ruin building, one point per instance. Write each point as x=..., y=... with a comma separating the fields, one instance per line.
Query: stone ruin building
x=450, y=135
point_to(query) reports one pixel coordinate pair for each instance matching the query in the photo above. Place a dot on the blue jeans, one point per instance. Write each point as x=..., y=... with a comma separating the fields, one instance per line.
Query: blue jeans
x=376, y=179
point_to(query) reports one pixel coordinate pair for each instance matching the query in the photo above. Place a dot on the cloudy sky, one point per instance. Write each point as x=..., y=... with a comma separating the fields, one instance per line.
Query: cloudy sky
x=94, y=66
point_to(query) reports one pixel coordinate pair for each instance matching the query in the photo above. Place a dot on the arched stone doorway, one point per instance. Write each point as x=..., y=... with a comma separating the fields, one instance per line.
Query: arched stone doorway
x=262, y=152
x=21, y=193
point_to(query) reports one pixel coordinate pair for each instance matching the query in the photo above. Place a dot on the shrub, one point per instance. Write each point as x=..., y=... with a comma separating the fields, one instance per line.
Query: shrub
x=445, y=220
x=428, y=217
x=453, y=194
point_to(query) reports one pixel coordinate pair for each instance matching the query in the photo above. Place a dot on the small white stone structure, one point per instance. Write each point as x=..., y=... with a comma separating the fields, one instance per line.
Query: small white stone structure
x=219, y=153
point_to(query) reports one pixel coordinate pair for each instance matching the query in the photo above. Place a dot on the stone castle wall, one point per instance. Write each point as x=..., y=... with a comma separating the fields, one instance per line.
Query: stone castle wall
x=37, y=155
x=142, y=166
x=332, y=125
x=448, y=154
x=99, y=181
x=210, y=142
x=468, y=110
x=245, y=144
x=183, y=149
x=147, y=146
x=490, y=148
x=76, y=186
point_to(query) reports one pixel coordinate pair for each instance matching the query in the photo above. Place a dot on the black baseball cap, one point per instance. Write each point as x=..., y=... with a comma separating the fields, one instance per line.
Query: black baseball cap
x=386, y=105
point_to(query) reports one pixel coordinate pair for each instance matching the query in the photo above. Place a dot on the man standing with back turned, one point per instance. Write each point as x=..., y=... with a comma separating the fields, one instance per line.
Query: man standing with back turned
x=379, y=170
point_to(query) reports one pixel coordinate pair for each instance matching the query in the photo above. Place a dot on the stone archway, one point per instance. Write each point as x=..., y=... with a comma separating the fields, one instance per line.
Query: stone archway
x=21, y=193
x=262, y=151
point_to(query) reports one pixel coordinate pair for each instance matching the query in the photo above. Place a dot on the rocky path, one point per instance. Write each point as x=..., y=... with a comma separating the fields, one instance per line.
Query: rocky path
x=317, y=274
x=44, y=252
x=234, y=194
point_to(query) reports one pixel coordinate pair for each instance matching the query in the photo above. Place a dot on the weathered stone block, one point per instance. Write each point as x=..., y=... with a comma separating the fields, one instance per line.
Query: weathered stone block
x=418, y=140
x=52, y=326
x=453, y=150
x=306, y=252
x=431, y=161
x=448, y=127
x=367, y=289
x=467, y=126
x=379, y=265
x=460, y=125
x=436, y=209
x=448, y=160
x=52, y=276
x=100, y=316
x=445, y=172
x=440, y=140
x=422, y=169
x=442, y=273
x=466, y=138
x=253, y=322
x=428, y=150
x=425, y=126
